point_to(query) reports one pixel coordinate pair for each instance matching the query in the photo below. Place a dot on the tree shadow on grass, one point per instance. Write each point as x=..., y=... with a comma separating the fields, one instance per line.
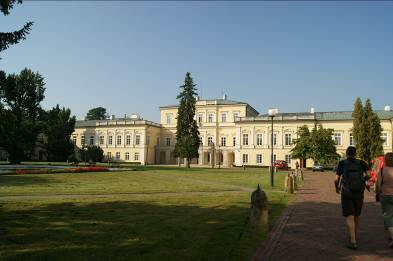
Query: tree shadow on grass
x=169, y=167
x=23, y=179
x=124, y=230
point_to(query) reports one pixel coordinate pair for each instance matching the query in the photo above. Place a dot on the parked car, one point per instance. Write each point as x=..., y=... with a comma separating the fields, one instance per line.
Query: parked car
x=317, y=167
x=281, y=164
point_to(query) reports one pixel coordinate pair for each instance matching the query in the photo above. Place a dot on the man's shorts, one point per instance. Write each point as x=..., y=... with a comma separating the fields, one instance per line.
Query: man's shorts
x=352, y=202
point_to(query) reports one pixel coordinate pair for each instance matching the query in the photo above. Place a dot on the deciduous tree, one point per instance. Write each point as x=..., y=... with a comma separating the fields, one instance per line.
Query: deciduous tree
x=19, y=113
x=59, y=125
x=317, y=145
x=98, y=113
x=323, y=148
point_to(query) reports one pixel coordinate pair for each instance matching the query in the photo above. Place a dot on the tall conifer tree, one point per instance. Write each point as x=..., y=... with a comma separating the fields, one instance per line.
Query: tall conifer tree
x=366, y=131
x=357, y=116
x=187, y=135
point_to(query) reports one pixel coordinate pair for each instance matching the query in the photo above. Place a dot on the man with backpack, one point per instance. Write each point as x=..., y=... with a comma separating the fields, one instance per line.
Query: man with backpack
x=351, y=176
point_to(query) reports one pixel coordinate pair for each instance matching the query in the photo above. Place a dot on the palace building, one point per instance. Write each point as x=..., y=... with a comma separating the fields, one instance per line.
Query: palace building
x=232, y=133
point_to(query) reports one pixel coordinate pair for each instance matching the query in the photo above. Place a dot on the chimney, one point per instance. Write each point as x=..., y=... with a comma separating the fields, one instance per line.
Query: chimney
x=312, y=110
x=387, y=108
x=224, y=97
x=113, y=117
x=197, y=98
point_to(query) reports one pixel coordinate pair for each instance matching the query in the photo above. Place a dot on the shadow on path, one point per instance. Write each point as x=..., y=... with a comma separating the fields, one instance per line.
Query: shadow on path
x=315, y=228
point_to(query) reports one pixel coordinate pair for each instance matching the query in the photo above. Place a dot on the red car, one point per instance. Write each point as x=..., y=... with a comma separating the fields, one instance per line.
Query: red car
x=376, y=165
x=281, y=164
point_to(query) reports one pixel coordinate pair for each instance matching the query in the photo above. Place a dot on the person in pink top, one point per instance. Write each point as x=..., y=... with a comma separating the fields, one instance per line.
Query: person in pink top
x=384, y=190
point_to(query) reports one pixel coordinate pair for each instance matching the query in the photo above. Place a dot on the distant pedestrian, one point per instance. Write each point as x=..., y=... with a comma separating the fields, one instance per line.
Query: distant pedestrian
x=384, y=190
x=350, y=174
x=297, y=165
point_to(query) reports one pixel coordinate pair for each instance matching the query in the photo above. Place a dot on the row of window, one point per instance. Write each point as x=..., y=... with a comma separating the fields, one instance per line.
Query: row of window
x=210, y=117
x=287, y=139
x=338, y=139
x=101, y=140
x=126, y=156
x=288, y=158
x=259, y=140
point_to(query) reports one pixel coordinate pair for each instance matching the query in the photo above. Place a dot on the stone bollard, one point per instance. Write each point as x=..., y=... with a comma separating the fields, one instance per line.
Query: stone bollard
x=294, y=181
x=289, y=183
x=259, y=215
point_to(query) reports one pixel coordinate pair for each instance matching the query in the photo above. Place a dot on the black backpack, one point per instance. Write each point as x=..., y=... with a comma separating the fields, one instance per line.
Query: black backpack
x=353, y=178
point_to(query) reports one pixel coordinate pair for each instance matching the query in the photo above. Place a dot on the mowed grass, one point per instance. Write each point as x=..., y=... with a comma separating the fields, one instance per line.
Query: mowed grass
x=153, y=213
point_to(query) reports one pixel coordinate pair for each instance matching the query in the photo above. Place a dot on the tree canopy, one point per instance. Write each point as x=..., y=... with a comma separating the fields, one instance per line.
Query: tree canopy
x=187, y=135
x=98, y=113
x=366, y=131
x=19, y=112
x=11, y=38
x=59, y=125
x=317, y=145
x=302, y=148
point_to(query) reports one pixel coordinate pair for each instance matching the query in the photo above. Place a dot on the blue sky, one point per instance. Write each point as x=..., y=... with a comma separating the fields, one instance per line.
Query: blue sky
x=132, y=56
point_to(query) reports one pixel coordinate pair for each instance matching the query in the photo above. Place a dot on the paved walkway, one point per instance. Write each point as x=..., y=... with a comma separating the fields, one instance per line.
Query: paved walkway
x=312, y=228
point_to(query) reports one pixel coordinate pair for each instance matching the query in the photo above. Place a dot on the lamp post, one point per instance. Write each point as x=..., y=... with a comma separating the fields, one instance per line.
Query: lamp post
x=272, y=113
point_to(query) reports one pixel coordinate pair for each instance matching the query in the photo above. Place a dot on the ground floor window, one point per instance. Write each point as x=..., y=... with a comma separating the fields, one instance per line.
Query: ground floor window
x=109, y=155
x=245, y=158
x=259, y=158
x=136, y=156
x=288, y=159
x=127, y=156
x=117, y=155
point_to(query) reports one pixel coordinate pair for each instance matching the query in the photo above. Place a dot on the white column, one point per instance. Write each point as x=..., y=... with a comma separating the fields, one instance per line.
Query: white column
x=238, y=161
x=142, y=155
x=252, y=137
x=225, y=162
x=133, y=138
x=201, y=158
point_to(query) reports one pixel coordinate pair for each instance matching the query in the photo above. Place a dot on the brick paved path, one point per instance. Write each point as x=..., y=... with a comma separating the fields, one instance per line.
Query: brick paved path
x=312, y=228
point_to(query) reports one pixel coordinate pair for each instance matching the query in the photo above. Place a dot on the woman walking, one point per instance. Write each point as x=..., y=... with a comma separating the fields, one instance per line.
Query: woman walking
x=384, y=191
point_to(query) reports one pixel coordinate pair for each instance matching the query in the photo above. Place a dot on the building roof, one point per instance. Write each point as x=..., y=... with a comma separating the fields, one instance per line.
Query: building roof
x=115, y=122
x=210, y=102
x=215, y=102
x=347, y=115
x=317, y=116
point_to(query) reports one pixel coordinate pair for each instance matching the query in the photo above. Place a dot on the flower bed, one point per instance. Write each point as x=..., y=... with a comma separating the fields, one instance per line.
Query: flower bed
x=65, y=170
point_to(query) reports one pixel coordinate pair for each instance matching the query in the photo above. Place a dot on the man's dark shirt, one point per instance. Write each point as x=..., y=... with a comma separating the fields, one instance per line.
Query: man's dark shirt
x=340, y=167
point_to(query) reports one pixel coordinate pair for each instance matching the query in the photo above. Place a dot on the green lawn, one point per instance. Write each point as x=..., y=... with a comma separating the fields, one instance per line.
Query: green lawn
x=153, y=213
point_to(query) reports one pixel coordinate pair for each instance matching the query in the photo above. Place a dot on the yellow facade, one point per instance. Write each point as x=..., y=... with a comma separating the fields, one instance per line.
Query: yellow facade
x=232, y=134
x=123, y=139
